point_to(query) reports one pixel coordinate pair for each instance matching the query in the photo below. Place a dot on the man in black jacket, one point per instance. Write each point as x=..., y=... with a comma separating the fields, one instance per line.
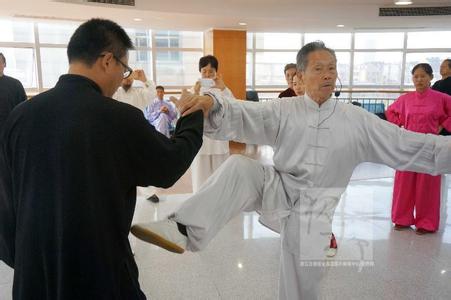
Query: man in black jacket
x=70, y=161
x=444, y=85
x=11, y=92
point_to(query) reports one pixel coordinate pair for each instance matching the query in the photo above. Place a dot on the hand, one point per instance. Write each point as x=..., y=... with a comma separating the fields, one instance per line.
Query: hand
x=189, y=103
x=219, y=83
x=139, y=75
x=197, y=88
x=164, y=110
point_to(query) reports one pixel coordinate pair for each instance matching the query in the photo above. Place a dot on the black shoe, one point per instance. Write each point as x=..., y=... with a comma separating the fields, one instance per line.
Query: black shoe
x=154, y=198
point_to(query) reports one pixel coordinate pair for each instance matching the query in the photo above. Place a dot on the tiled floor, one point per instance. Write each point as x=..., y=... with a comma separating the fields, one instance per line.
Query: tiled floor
x=242, y=261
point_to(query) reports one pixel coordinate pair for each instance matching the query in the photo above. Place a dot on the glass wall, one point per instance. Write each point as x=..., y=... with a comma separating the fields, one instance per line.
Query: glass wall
x=36, y=53
x=366, y=60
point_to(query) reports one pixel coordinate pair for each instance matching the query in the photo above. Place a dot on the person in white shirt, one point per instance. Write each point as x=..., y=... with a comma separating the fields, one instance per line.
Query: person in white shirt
x=139, y=94
x=213, y=152
x=138, y=91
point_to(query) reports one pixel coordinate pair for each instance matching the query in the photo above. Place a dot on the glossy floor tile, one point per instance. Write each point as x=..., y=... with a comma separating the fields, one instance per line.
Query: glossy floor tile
x=242, y=261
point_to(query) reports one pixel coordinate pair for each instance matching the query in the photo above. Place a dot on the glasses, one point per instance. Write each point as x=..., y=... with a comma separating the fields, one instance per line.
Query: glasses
x=128, y=71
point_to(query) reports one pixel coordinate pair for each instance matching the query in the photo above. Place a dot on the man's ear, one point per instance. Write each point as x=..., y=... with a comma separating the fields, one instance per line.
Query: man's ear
x=106, y=60
x=300, y=75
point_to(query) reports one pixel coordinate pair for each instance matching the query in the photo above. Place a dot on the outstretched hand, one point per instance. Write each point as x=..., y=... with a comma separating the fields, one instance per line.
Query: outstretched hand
x=189, y=103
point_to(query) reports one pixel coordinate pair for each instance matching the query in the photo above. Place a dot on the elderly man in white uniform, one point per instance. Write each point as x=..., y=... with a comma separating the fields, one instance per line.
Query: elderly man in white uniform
x=317, y=143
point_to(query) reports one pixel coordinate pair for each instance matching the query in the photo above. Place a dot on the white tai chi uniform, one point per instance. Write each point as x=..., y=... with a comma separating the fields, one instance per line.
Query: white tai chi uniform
x=316, y=149
x=210, y=156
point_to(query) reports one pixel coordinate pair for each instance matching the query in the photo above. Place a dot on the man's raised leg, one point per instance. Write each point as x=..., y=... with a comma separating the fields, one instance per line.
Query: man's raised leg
x=236, y=186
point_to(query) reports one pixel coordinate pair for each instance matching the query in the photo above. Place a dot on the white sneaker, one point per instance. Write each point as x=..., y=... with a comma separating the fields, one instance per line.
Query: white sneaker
x=164, y=234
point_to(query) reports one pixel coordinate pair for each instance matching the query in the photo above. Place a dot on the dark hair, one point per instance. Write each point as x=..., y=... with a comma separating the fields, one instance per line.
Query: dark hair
x=426, y=67
x=3, y=57
x=301, y=58
x=159, y=87
x=96, y=36
x=448, y=60
x=209, y=60
x=289, y=66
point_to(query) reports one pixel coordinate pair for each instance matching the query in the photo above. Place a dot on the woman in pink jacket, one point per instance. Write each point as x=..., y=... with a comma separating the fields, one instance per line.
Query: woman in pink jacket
x=425, y=111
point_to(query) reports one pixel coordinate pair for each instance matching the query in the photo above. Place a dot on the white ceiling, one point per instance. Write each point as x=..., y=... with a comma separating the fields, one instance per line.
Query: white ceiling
x=260, y=15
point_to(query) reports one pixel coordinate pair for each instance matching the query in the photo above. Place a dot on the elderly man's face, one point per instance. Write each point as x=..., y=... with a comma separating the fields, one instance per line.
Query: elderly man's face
x=320, y=75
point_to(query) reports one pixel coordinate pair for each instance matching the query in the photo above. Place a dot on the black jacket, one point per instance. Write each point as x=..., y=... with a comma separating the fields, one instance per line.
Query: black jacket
x=11, y=94
x=70, y=162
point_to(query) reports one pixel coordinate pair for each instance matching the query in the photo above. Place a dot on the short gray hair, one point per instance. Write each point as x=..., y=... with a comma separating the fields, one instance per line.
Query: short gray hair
x=301, y=58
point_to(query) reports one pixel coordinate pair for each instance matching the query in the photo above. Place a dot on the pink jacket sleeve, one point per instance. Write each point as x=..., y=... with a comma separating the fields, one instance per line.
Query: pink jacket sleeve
x=445, y=121
x=395, y=112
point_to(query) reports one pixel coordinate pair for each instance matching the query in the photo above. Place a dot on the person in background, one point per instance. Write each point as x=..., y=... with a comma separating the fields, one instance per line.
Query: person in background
x=444, y=85
x=11, y=92
x=424, y=111
x=138, y=91
x=298, y=86
x=213, y=152
x=161, y=114
x=133, y=94
x=289, y=71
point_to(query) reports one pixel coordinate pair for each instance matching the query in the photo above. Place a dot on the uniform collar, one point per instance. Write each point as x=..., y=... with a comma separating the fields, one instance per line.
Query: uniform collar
x=423, y=94
x=72, y=79
x=314, y=105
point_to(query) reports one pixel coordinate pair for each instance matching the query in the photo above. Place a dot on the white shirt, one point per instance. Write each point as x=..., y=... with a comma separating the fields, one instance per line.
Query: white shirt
x=139, y=97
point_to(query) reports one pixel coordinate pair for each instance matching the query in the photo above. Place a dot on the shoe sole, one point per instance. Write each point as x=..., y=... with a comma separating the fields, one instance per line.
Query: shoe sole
x=153, y=238
x=423, y=232
x=331, y=252
x=402, y=228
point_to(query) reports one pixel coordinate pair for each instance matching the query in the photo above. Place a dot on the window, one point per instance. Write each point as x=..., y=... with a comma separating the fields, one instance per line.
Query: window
x=278, y=41
x=141, y=38
x=379, y=40
x=182, y=71
x=22, y=32
x=377, y=68
x=344, y=66
x=56, y=33
x=332, y=40
x=21, y=64
x=249, y=65
x=429, y=39
x=54, y=64
x=269, y=67
x=141, y=59
x=434, y=59
x=250, y=40
x=182, y=39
